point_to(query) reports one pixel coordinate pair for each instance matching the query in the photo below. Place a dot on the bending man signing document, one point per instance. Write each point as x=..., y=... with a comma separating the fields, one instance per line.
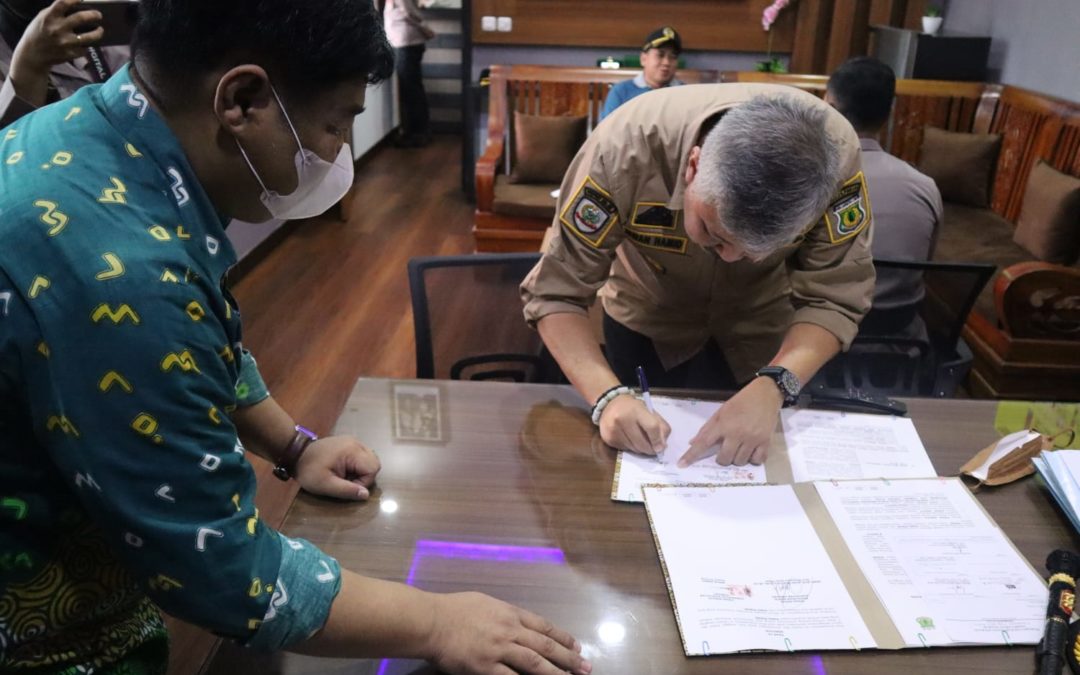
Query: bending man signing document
x=727, y=230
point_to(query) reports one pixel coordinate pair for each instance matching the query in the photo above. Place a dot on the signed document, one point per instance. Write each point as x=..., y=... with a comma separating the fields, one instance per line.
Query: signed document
x=746, y=570
x=871, y=564
x=685, y=417
x=943, y=569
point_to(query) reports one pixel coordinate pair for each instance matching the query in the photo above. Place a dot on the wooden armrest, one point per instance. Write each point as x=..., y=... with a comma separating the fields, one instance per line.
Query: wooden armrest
x=1039, y=300
x=487, y=166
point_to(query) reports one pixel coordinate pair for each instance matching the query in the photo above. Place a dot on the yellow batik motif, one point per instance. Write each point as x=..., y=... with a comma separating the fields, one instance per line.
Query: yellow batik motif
x=62, y=423
x=75, y=110
x=146, y=425
x=114, y=379
x=117, y=315
x=115, y=270
x=116, y=194
x=53, y=216
x=15, y=158
x=195, y=311
x=61, y=158
x=183, y=360
x=160, y=233
x=132, y=151
x=39, y=284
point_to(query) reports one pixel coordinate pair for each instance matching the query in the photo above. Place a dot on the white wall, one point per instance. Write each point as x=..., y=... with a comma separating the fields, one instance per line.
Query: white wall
x=379, y=119
x=1036, y=43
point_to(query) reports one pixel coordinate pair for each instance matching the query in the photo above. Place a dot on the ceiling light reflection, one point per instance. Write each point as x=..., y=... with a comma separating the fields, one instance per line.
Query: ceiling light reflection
x=388, y=506
x=611, y=632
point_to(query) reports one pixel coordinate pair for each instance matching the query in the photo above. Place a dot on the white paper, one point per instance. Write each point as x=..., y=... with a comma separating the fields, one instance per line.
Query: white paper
x=944, y=571
x=1004, y=447
x=747, y=571
x=1060, y=471
x=824, y=445
x=685, y=417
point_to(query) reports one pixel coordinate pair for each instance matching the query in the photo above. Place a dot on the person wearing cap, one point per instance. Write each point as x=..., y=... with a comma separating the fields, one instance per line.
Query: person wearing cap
x=44, y=50
x=659, y=61
x=726, y=230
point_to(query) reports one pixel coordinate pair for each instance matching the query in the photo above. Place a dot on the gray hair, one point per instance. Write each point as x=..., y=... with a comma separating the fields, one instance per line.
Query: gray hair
x=769, y=169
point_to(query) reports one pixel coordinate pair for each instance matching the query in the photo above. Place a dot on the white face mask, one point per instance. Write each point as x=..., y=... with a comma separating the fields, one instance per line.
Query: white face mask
x=320, y=184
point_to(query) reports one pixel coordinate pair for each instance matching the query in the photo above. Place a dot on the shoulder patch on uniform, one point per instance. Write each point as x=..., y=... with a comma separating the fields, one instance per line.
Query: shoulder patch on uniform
x=849, y=211
x=654, y=215
x=657, y=241
x=591, y=213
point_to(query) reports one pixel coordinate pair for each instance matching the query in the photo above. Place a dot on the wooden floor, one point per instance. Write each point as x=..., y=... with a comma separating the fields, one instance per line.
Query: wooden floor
x=330, y=303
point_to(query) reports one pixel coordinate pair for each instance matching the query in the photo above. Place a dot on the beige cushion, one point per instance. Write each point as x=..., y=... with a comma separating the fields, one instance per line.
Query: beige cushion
x=962, y=165
x=544, y=146
x=1049, y=222
x=524, y=201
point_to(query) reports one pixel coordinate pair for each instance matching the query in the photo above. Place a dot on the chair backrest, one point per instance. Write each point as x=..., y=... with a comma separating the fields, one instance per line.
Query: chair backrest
x=913, y=350
x=467, y=318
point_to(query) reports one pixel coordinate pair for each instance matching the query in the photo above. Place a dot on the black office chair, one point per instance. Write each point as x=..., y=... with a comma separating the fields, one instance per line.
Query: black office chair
x=468, y=321
x=914, y=349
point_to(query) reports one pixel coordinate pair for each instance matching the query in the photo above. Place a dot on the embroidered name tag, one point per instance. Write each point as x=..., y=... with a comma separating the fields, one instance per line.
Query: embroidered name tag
x=660, y=242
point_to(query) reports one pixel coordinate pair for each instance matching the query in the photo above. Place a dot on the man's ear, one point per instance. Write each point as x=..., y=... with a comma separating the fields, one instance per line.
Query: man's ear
x=242, y=94
x=692, y=164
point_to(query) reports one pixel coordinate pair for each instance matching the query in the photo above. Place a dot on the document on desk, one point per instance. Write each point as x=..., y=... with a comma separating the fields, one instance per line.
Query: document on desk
x=1060, y=470
x=685, y=417
x=944, y=571
x=825, y=445
x=747, y=571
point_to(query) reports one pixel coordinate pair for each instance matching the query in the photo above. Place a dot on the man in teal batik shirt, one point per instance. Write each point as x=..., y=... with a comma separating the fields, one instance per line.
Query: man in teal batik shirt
x=124, y=385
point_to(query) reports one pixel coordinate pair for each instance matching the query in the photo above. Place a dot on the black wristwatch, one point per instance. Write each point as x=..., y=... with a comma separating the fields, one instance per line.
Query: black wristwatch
x=785, y=380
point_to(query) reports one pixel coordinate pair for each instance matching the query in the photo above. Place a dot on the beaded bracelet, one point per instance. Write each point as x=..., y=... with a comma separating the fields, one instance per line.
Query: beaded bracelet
x=608, y=397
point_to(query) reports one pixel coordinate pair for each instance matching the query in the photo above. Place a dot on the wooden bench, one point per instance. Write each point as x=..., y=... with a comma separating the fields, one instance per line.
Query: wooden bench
x=1025, y=330
x=512, y=217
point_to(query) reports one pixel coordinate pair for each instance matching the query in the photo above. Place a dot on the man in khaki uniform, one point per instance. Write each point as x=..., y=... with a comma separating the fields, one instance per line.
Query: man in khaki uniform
x=732, y=215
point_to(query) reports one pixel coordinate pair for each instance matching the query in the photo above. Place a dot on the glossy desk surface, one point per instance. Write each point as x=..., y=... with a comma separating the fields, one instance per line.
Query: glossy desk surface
x=505, y=489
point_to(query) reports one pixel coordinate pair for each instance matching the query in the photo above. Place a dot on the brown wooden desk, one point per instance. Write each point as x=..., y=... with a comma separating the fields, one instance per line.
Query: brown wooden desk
x=507, y=492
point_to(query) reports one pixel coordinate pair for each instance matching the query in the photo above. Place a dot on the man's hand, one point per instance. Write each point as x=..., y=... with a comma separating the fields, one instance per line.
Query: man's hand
x=338, y=466
x=50, y=39
x=742, y=427
x=626, y=424
x=474, y=634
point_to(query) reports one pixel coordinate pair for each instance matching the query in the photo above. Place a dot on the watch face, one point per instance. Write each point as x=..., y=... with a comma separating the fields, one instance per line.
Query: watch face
x=790, y=383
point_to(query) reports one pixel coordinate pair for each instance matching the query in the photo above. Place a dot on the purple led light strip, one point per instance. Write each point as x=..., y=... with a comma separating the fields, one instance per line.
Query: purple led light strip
x=427, y=548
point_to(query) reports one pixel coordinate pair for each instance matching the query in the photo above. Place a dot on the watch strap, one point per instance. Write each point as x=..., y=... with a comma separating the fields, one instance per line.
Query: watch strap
x=286, y=466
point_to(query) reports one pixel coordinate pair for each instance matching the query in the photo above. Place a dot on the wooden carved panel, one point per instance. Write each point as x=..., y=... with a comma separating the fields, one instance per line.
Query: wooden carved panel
x=1019, y=129
x=913, y=112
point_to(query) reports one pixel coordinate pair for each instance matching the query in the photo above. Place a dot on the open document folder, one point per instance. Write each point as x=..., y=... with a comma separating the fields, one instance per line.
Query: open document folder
x=841, y=565
x=815, y=445
x=1060, y=470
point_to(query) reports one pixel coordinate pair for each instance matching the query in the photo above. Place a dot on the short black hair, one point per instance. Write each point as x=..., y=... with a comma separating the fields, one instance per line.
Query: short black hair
x=304, y=44
x=863, y=89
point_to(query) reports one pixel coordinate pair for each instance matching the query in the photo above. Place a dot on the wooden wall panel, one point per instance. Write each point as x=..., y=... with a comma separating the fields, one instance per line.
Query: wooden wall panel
x=714, y=25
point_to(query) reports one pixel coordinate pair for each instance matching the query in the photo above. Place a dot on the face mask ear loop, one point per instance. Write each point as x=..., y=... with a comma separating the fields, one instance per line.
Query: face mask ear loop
x=250, y=165
x=287, y=120
x=217, y=96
